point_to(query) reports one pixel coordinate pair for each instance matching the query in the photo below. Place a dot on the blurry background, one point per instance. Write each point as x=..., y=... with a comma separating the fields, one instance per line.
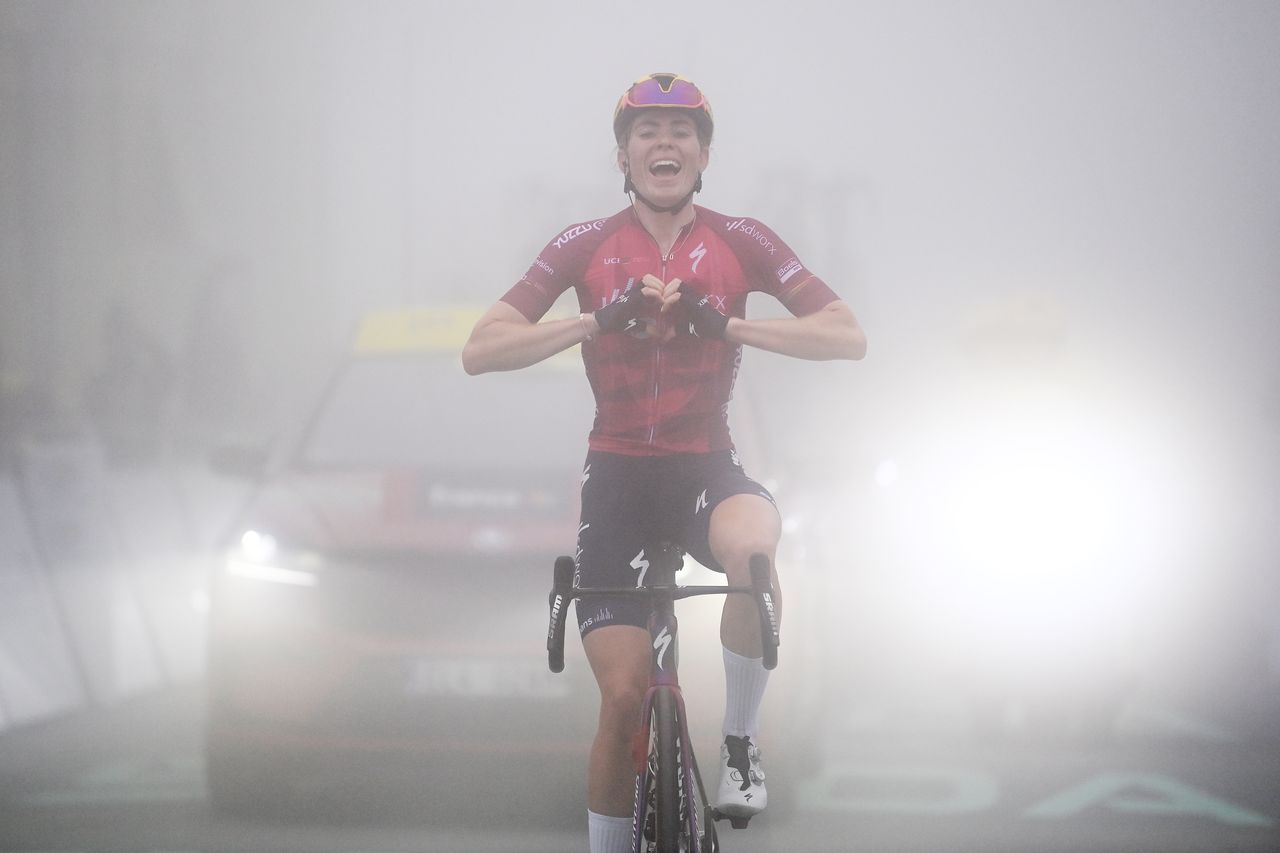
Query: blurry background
x=1058, y=223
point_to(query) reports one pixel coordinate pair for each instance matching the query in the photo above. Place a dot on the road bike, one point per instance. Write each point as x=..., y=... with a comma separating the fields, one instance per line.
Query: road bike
x=672, y=813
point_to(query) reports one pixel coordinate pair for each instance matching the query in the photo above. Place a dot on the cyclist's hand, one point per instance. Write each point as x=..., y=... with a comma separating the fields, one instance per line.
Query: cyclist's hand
x=705, y=320
x=623, y=313
x=667, y=294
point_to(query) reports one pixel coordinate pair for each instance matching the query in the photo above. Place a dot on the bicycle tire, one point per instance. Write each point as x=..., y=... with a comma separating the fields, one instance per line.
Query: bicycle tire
x=670, y=801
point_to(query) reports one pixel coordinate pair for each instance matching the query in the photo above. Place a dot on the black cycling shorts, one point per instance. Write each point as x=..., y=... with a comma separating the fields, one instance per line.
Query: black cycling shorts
x=630, y=503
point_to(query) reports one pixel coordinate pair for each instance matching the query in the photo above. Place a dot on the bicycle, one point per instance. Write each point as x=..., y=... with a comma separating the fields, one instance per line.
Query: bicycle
x=672, y=813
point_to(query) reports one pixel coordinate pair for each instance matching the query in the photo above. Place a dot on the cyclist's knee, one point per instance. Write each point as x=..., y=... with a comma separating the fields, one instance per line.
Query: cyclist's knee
x=743, y=525
x=619, y=657
x=735, y=556
x=620, y=707
x=736, y=561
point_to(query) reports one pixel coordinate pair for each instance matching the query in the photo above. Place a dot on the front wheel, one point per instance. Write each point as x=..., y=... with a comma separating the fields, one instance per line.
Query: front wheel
x=665, y=795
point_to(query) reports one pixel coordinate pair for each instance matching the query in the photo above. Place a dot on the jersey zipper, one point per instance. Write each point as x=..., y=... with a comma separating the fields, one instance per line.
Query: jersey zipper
x=657, y=347
x=657, y=365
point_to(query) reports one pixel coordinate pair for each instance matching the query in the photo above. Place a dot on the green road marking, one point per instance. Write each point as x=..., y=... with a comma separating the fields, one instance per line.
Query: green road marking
x=940, y=791
x=900, y=790
x=176, y=778
x=1145, y=793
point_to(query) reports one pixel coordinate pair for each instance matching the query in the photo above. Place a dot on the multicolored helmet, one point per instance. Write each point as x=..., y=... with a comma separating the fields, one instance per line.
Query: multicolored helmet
x=663, y=90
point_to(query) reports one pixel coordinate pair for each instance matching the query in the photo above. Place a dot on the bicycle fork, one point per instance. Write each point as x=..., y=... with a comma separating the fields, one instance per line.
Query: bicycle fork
x=663, y=717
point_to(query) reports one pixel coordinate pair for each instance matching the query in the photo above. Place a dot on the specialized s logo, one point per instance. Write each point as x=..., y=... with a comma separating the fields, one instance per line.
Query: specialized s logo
x=661, y=643
x=578, y=231
x=697, y=255
x=640, y=564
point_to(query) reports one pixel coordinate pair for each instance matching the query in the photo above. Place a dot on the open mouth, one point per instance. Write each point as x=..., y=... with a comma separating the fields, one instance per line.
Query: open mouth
x=664, y=168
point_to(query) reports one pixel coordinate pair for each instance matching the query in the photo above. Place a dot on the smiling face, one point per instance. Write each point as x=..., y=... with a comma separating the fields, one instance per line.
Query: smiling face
x=663, y=154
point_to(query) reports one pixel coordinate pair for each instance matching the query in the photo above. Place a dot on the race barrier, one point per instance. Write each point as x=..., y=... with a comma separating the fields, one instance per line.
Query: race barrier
x=39, y=676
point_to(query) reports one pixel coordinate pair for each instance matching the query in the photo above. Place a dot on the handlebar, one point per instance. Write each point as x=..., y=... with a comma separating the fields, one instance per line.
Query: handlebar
x=761, y=589
x=561, y=594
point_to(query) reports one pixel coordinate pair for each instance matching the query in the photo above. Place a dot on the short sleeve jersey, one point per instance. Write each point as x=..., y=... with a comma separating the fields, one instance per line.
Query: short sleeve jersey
x=653, y=396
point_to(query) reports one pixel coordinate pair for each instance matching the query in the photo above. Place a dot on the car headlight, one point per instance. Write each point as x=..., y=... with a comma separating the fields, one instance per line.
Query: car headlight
x=259, y=558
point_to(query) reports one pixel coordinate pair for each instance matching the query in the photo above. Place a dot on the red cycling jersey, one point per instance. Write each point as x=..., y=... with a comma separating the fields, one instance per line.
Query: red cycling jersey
x=656, y=398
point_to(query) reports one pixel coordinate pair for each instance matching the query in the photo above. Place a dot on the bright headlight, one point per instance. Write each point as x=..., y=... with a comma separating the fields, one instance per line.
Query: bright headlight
x=1035, y=518
x=259, y=558
x=1045, y=492
x=258, y=547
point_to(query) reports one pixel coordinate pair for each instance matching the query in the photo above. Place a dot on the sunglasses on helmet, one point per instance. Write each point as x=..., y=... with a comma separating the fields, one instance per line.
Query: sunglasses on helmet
x=662, y=90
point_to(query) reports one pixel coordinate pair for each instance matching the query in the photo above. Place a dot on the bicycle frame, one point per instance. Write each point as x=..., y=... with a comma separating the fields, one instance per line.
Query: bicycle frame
x=663, y=698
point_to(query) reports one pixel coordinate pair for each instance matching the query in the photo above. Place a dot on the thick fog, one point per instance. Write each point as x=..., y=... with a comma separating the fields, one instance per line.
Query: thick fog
x=1052, y=213
x=301, y=162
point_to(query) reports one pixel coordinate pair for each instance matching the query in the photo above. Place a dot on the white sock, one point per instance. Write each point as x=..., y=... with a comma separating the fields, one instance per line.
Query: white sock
x=609, y=834
x=744, y=683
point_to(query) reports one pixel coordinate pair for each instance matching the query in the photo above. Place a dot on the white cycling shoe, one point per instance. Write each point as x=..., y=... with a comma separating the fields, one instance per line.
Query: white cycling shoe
x=742, y=792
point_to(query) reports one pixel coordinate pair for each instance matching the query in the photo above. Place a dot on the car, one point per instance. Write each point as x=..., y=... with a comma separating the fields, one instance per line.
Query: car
x=379, y=610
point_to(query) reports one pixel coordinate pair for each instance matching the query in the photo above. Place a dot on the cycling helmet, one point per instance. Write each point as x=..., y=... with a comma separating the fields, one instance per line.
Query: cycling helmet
x=667, y=91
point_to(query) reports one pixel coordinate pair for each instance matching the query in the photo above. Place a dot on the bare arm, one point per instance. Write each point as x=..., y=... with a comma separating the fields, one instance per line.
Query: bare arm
x=504, y=339
x=829, y=333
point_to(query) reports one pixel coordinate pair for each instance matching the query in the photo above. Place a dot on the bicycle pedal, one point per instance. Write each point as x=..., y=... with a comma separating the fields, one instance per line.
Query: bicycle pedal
x=734, y=820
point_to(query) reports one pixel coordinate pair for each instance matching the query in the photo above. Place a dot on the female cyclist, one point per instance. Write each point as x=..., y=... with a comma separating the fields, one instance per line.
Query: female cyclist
x=662, y=289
